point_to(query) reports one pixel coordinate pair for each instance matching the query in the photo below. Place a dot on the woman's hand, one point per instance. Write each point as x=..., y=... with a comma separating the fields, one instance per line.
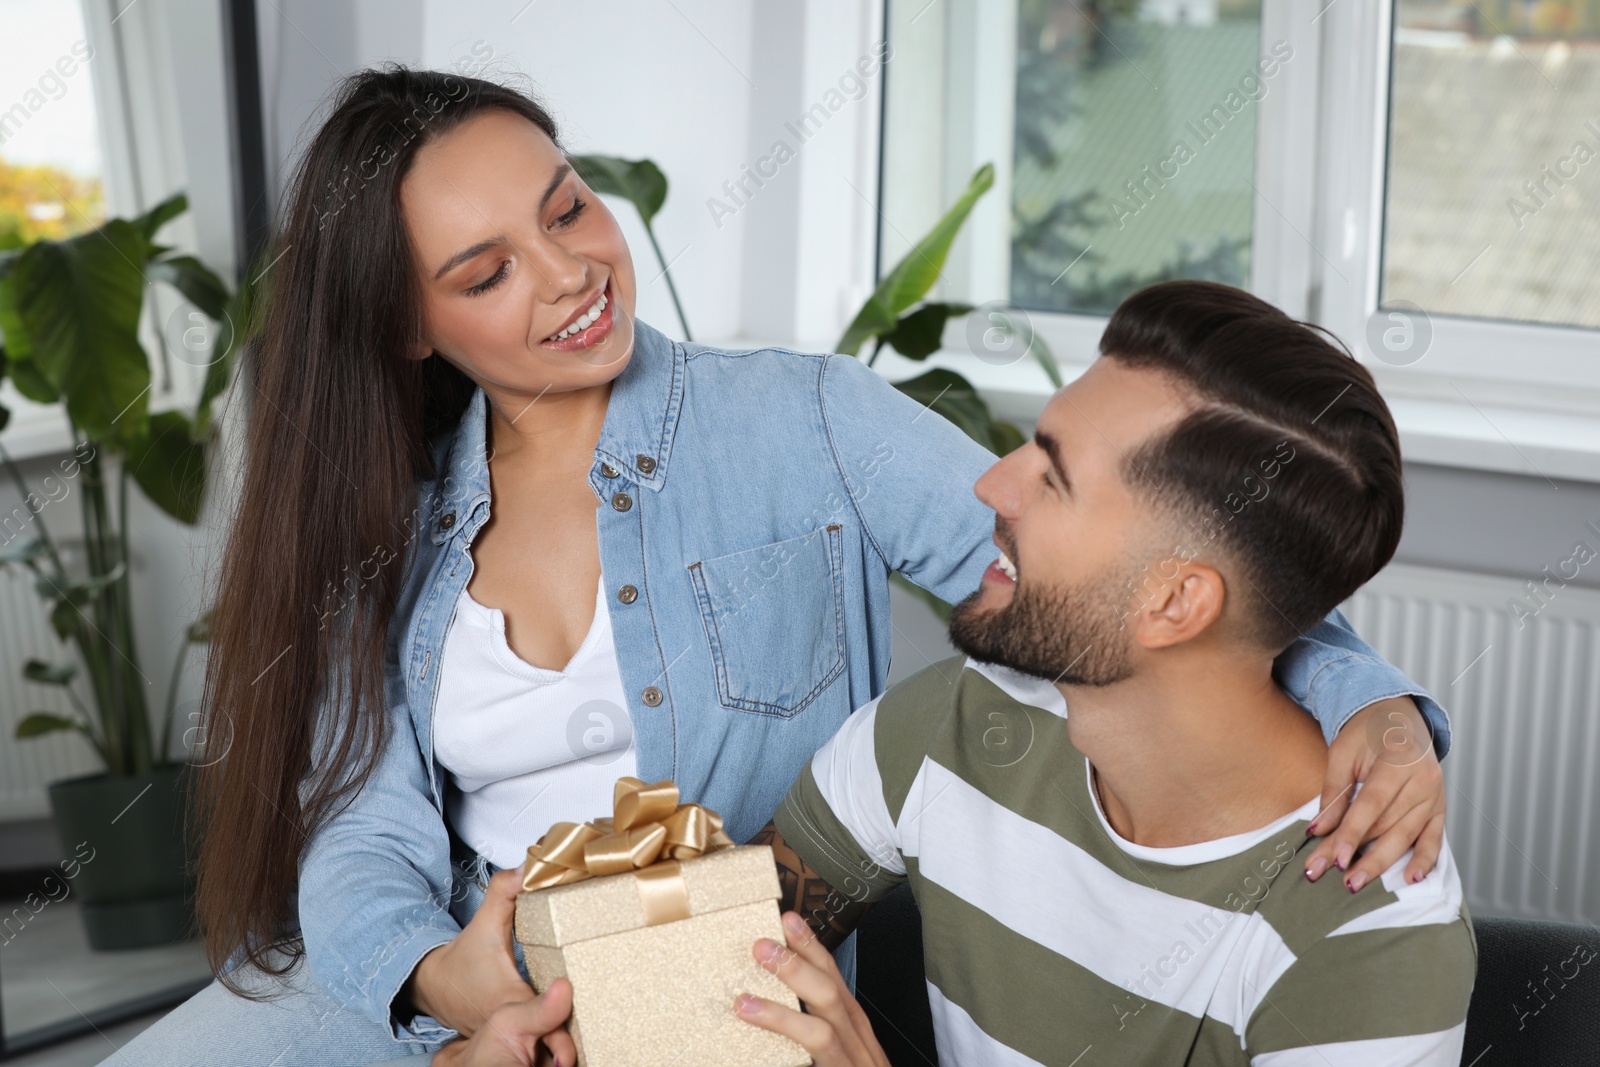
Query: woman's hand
x=461, y=983
x=511, y=1036
x=834, y=1029
x=1387, y=748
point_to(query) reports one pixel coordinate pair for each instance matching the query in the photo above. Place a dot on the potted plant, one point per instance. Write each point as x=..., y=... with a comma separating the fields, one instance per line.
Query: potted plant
x=69, y=326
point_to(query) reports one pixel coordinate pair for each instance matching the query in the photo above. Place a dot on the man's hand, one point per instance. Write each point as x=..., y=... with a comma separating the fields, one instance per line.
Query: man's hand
x=834, y=1029
x=1387, y=748
x=511, y=1036
x=462, y=982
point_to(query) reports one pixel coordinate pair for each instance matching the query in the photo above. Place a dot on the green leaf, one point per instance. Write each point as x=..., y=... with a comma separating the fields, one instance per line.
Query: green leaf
x=1006, y=436
x=952, y=396
x=64, y=619
x=919, y=334
x=194, y=280
x=639, y=180
x=39, y=723
x=70, y=312
x=239, y=325
x=170, y=465
x=158, y=216
x=42, y=673
x=914, y=275
x=874, y=318
x=29, y=382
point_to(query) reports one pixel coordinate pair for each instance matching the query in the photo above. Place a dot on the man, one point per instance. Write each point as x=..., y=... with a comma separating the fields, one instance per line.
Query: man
x=1103, y=808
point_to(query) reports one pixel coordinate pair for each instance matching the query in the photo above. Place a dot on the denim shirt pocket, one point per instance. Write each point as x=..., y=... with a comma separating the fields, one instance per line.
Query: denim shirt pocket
x=774, y=616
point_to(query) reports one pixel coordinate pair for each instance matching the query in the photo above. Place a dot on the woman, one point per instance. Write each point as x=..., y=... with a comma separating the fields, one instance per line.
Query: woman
x=684, y=574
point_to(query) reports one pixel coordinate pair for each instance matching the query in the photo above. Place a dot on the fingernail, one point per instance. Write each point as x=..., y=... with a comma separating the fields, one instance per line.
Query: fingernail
x=767, y=950
x=794, y=924
x=1344, y=856
x=1315, y=868
x=1356, y=881
x=746, y=1005
x=1311, y=828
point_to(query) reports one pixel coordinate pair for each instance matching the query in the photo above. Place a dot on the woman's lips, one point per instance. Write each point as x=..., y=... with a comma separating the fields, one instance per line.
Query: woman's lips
x=597, y=331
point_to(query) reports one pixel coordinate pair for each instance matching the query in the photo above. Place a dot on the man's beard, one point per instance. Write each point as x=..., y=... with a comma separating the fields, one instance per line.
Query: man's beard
x=1070, y=634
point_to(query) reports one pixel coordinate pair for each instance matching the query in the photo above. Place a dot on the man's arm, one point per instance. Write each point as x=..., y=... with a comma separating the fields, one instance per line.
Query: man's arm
x=831, y=914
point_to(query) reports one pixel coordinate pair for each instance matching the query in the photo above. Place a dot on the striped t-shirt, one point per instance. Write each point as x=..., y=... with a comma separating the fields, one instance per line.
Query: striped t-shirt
x=1050, y=939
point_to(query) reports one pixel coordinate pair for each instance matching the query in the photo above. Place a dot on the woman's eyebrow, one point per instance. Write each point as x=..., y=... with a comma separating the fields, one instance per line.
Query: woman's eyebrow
x=483, y=246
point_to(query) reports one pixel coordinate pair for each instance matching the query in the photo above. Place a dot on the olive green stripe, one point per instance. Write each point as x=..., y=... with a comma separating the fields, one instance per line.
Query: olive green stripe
x=1304, y=912
x=1396, y=982
x=826, y=845
x=1022, y=758
x=1053, y=1007
x=910, y=715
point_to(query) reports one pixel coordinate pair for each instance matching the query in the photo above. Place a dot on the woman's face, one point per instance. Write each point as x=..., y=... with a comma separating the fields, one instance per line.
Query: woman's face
x=511, y=247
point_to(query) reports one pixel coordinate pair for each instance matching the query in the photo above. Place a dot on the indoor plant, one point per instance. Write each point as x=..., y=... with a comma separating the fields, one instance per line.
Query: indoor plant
x=69, y=319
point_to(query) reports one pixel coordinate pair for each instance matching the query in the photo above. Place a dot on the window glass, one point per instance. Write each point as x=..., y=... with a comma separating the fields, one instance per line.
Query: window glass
x=50, y=161
x=1492, y=207
x=1135, y=146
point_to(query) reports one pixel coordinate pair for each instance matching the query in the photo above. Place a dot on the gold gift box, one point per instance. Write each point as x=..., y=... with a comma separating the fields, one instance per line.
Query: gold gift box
x=647, y=996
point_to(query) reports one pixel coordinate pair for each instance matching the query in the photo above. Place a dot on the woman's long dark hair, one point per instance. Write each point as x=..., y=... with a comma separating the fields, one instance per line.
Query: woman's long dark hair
x=336, y=445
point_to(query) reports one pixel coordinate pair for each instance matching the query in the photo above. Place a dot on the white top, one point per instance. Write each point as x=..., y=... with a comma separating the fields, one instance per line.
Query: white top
x=527, y=747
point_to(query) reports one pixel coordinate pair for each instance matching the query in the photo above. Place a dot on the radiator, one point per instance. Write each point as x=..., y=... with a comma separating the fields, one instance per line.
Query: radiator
x=26, y=767
x=1522, y=686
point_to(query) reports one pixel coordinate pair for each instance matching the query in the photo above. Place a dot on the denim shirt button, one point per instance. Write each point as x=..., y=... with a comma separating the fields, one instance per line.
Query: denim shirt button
x=627, y=594
x=608, y=470
x=622, y=501
x=652, y=696
x=448, y=521
x=646, y=464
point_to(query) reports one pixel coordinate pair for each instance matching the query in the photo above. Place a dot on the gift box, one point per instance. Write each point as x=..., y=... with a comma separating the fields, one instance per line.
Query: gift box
x=652, y=915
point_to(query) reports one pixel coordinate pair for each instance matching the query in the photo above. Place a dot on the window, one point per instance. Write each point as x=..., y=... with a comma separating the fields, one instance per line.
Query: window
x=1422, y=177
x=1135, y=148
x=1492, y=207
x=50, y=161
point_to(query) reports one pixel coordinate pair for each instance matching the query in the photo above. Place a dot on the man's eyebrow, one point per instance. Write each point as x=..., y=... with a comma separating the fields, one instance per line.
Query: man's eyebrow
x=1052, y=448
x=483, y=246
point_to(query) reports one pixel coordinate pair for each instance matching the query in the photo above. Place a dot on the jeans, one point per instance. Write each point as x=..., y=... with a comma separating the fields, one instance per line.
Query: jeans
x=299, y=1026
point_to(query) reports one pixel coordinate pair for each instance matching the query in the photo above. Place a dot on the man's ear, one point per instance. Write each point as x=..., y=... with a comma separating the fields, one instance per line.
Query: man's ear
x=1182, y=608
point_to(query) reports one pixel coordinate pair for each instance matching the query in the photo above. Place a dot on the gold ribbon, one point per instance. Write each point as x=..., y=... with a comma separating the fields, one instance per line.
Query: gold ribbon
x=648, y=833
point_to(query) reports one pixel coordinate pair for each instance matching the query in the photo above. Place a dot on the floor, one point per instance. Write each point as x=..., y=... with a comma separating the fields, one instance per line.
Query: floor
x=49, y=975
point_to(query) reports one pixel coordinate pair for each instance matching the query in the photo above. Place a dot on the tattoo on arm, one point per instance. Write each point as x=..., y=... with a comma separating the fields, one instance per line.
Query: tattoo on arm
x=831, y=913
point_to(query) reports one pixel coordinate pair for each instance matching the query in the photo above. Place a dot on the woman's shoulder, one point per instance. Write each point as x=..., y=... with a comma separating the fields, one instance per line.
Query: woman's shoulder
x=778, y=371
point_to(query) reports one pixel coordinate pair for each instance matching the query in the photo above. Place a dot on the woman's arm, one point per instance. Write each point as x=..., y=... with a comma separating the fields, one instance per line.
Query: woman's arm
x=375, y=885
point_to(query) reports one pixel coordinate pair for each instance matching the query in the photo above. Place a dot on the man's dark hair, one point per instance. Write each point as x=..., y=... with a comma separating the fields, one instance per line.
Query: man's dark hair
x=1290, y=462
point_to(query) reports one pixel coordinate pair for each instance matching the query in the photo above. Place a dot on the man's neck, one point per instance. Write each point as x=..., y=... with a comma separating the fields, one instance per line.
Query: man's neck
x=1196, y=751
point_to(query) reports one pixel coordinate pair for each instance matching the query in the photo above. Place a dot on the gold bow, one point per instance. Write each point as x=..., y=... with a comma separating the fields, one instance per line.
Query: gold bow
x=649, y=831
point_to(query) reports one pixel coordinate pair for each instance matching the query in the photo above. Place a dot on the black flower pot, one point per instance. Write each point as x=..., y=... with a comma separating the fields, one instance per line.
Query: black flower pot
x=125, y=837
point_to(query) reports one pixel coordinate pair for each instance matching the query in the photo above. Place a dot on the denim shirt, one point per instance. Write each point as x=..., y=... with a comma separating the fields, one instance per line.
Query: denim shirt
x=752, y=507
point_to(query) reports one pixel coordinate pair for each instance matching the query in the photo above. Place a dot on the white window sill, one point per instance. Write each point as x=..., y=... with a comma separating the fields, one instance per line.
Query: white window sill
x=35, y=429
